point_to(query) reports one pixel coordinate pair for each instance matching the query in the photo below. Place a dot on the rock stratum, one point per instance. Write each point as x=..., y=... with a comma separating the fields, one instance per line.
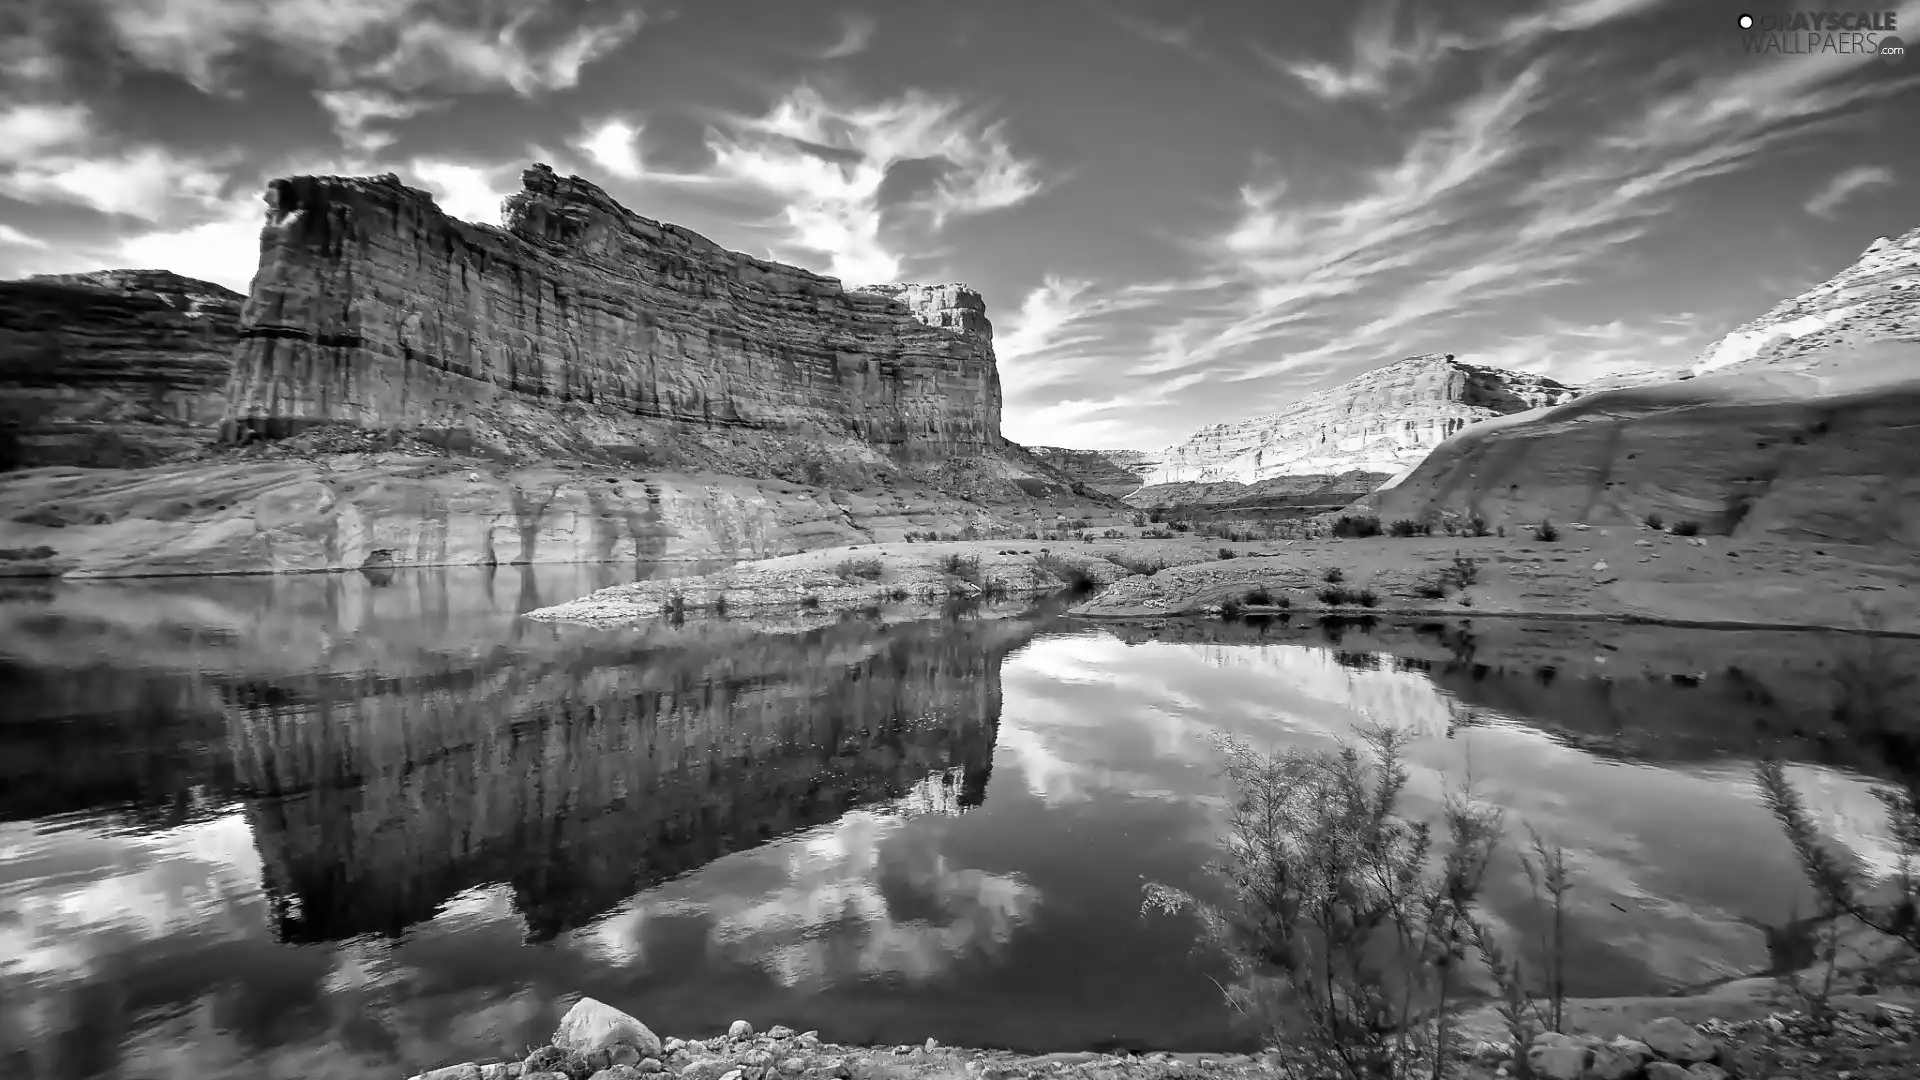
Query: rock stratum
x=1803, y=425
x=1336, y=445
x=115, y=368
x=583, y=384
x=1118, y=473
x=581, y=327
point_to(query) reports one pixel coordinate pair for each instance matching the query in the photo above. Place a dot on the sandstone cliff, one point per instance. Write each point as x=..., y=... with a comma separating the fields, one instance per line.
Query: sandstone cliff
x=1330, y=447
x=1111, y=472
x=116, y=368
x=582, y=327
x=1802, y=426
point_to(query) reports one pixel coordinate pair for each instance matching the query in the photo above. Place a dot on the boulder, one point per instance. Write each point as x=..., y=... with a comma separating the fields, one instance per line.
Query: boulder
x=739, y=1029
x=1618, y=1060
x=1559, y=1060
x=1676, y=1040
x=593, y=1026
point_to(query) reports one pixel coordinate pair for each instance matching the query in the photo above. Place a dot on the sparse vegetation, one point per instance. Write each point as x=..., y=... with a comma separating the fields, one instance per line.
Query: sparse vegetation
x=1356, y=526
x=1686, y=528
x=1180, y=526
x=1259, y=597
x=1464, y=570
x=1545, y=531
x=1477, y=526
x=720, y=604
x=1230, y=609
x=1409, y=527
x=868, y=569
x=809, y=601
x=1135, y=564
x=1343, y=595
x=1333, y=575
x=1655, y=522
x=1341, y=934
x=1228, y=553
x=964, y=567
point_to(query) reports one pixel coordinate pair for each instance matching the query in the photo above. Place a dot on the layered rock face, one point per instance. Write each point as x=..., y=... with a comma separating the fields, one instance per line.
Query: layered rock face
x=1380, y=422
x=117, y=368
x=581, y=326
x=1111, y=472
x=1801, y=427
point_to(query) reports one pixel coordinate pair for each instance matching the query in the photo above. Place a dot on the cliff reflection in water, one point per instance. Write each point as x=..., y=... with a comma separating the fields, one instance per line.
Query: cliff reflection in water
x=581, y=780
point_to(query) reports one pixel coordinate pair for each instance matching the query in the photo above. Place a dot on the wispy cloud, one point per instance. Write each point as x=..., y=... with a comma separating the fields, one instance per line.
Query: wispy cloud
x=828, y=165
x=614, y=145
x=856, y=33
x=1844, y=185
x=353, y=110
x=12, y=237
x=467, y=191
x=67, y=162
x=523, y=45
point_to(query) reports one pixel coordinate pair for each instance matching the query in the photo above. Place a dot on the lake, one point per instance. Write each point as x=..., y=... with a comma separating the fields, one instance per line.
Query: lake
x=359, y=825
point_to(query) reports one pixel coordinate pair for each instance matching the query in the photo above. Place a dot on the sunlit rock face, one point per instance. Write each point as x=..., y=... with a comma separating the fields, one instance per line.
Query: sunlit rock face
x=1798, y=427
x=1112, y=472
x=373, y=308
x=583, y=780
x=113, y=368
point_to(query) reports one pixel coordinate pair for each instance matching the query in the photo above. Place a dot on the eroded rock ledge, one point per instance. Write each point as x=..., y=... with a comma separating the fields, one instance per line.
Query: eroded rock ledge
x=581, y=324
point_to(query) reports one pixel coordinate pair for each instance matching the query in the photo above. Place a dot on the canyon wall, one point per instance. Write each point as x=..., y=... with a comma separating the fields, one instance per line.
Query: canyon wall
x=118, y=368
x=1800, y=426
x=1117, y=473
x=1333, y=446
x=582, y=326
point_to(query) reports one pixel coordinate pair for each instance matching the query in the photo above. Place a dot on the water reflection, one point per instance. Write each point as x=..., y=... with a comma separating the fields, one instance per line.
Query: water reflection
x=334, y=825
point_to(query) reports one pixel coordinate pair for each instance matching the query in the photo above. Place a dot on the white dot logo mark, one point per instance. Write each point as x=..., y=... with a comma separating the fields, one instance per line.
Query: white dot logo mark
x=1746, y=22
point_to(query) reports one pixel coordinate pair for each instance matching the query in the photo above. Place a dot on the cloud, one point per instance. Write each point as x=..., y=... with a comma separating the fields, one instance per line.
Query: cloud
x=29, y=129
x=224, y=249
x=12, y=237
x=352, y=110
x=856, y=33
x=613, y=144
x=1845, y=185
x=146, y=182
x=402, y=44
x=464, y=190
x=827, y=165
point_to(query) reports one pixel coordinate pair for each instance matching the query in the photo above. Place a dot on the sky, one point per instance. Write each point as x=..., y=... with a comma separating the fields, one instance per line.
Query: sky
x=1180, y=212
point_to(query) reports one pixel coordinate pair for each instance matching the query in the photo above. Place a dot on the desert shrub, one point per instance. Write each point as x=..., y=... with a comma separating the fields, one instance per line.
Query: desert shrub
x=1686, y=528
x=1333, y=575
x=1228, y=553
x=1356, y=526
x=1409, y=527
x=1072, y=576
x=1135, y=564
x=1655, y=521
x=720, y=604
x=896, y=594
x=1259, y=597
x=964, y=567
x=1342, y=934
x=1156, y=515
x=1139, y=520
x=869, y=569
x=1463, y=571
x=1365, y=597
x=1335, y=595
x=1156, y=534
x=809, y=600
x=1545, y=531
x=675, y=607
x=1432, y=588
x=1112, y=534
x=1180, y=526
x=1078, y=523
x=1231, y=609
x=1477, y=526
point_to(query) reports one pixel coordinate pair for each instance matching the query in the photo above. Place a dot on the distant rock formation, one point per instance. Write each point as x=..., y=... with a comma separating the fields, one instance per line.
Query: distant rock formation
x=117, y=368
x=1333, y=446
x=1111, y=472
x=583, y=327
x=1800, y=426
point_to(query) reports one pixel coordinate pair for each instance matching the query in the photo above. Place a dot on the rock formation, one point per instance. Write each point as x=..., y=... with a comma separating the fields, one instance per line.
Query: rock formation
x=584, y=327
x=117, y=368
x=584, y=384
x=1111, y=472
x=1801, y=426
x=1335, y=445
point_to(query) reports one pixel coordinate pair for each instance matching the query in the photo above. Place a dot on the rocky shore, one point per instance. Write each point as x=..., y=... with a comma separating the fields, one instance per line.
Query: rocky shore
x=1624, y=573
x=1867, y=1040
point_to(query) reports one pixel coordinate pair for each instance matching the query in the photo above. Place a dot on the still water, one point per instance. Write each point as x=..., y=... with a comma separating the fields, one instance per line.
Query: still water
x=350, y=826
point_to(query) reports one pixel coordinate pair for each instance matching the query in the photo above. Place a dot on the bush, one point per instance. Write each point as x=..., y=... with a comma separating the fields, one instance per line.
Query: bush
x=868, y=569
x=1335, y=595
x=1546, y=532
x=1365, y=597
x=964, y=567
x=1070, y=575
x=1227, y=553
x=1180, y=526
x=1464, y=571
x=1156, y=534
x=1686, y=528
x=1477, y=526
x=1156, y=515
x=1134, y=564
x=1258, y=598
x=809, y=601
x=1339, y=931
x=1230, y=609
x=1333, y=575
x=720, y=604
x=1655, y=521
x=1113, y=534
x=1360, y=526
x=1410, y=527
x=1139, y=520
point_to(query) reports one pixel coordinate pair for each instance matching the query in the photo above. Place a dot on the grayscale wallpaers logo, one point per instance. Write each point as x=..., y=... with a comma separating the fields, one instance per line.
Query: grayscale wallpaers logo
x=1856, y=33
